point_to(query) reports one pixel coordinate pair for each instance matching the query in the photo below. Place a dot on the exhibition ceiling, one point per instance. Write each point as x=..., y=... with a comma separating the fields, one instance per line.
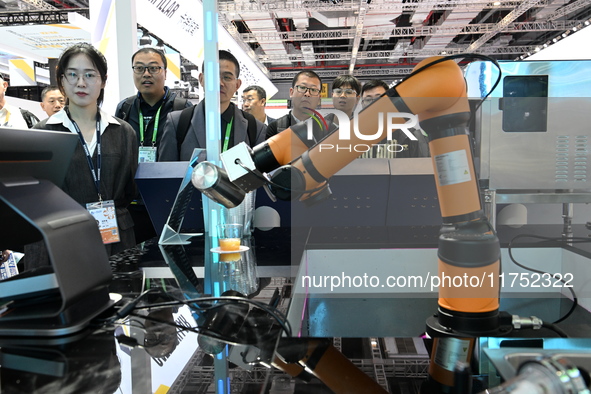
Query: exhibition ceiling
x=381, y=38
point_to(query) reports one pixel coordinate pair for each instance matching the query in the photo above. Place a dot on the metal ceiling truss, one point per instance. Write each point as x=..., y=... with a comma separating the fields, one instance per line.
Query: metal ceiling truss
x=359, y=73
x=506, y=21
x=38, y=17
x=422, y=53
x=352, y=5
x=39, y=5
x=233, y=31
x=368, y=27
x=361, y=12
x=410, y=32
x=568, y=9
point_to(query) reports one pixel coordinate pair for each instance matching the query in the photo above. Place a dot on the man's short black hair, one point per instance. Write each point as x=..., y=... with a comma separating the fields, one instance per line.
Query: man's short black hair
x=347, y=79
x=260, y=91
x=225, y=55
x=374, y=83
x=151, y=50
x=308, y=73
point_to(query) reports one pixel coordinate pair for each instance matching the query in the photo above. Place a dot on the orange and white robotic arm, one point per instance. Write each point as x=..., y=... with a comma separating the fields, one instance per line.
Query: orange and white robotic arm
x=436, y=92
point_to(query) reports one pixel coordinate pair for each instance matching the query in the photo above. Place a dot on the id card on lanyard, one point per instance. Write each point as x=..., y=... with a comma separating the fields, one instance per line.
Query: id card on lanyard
x=102, y=211
x=106, y=219
x=147, y=154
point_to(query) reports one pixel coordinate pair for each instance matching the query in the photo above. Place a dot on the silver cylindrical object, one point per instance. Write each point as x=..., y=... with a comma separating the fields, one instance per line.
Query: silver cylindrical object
x=213, y=181
x=553, y=374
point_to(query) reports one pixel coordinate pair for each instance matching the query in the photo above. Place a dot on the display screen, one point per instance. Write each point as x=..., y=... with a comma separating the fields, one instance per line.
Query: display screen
x=525, y=103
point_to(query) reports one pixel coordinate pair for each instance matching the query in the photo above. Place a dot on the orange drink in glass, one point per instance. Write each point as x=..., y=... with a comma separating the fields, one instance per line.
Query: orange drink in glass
x=229, y=244
x=230, y=235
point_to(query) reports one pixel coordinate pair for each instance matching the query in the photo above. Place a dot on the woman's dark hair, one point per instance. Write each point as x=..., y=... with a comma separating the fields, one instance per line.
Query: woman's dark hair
x=97, y=59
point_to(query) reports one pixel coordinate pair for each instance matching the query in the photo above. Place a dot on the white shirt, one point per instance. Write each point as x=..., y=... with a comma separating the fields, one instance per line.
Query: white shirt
x=62, y=118
x=11, y=116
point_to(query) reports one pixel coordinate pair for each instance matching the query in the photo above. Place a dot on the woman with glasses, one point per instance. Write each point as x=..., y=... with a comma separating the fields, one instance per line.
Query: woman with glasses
x=102, y=170
x=346, y=91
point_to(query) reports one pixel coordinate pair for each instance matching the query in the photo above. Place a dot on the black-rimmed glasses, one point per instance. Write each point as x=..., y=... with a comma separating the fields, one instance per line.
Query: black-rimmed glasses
x=151, y=69
x=304, y=89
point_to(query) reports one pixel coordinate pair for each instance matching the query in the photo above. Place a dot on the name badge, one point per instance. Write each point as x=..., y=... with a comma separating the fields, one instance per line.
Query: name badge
x=106, y=219
x=147, y=154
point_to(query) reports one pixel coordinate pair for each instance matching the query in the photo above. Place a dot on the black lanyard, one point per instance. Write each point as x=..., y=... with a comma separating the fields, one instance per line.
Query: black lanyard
x=96, y=174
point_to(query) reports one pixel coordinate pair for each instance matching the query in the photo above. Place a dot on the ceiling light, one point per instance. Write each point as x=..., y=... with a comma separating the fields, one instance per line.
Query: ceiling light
x=564, y=35
x=575, y=28
x=587, y=23
x=497, y=3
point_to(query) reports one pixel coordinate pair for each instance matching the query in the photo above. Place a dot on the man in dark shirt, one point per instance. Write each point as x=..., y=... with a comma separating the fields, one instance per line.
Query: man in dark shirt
x=236, y=125
x=254, y=100
x=372, y=90
x=304, y=93
x=146, y=112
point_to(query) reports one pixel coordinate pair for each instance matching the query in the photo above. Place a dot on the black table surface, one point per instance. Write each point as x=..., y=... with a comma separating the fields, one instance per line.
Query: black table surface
x=91, y=361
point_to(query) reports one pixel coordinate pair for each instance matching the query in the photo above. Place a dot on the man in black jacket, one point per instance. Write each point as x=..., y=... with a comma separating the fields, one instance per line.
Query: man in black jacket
x=146, y=112
x=304, y=93
x=181, y=138
x=254, y=100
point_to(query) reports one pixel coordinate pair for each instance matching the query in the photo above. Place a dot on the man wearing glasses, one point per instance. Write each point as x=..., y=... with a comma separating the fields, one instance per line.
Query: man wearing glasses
x=372, y=90
x=345, y=93
x=304, y=95
x=254, y=100
x=180, y=138
x=146, y=111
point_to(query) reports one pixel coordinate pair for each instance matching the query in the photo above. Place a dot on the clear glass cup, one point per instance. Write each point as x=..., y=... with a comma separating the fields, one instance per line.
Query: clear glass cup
x=230, y=236
x=242, y=214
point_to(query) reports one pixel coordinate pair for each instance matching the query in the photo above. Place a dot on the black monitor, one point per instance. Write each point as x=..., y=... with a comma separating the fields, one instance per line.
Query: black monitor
x=63, y=299
x=39, y=154
x=27, y=156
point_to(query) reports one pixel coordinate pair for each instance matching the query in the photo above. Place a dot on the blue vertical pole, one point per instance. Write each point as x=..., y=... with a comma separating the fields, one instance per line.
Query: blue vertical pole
x=211, y=71
x=212, y=210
